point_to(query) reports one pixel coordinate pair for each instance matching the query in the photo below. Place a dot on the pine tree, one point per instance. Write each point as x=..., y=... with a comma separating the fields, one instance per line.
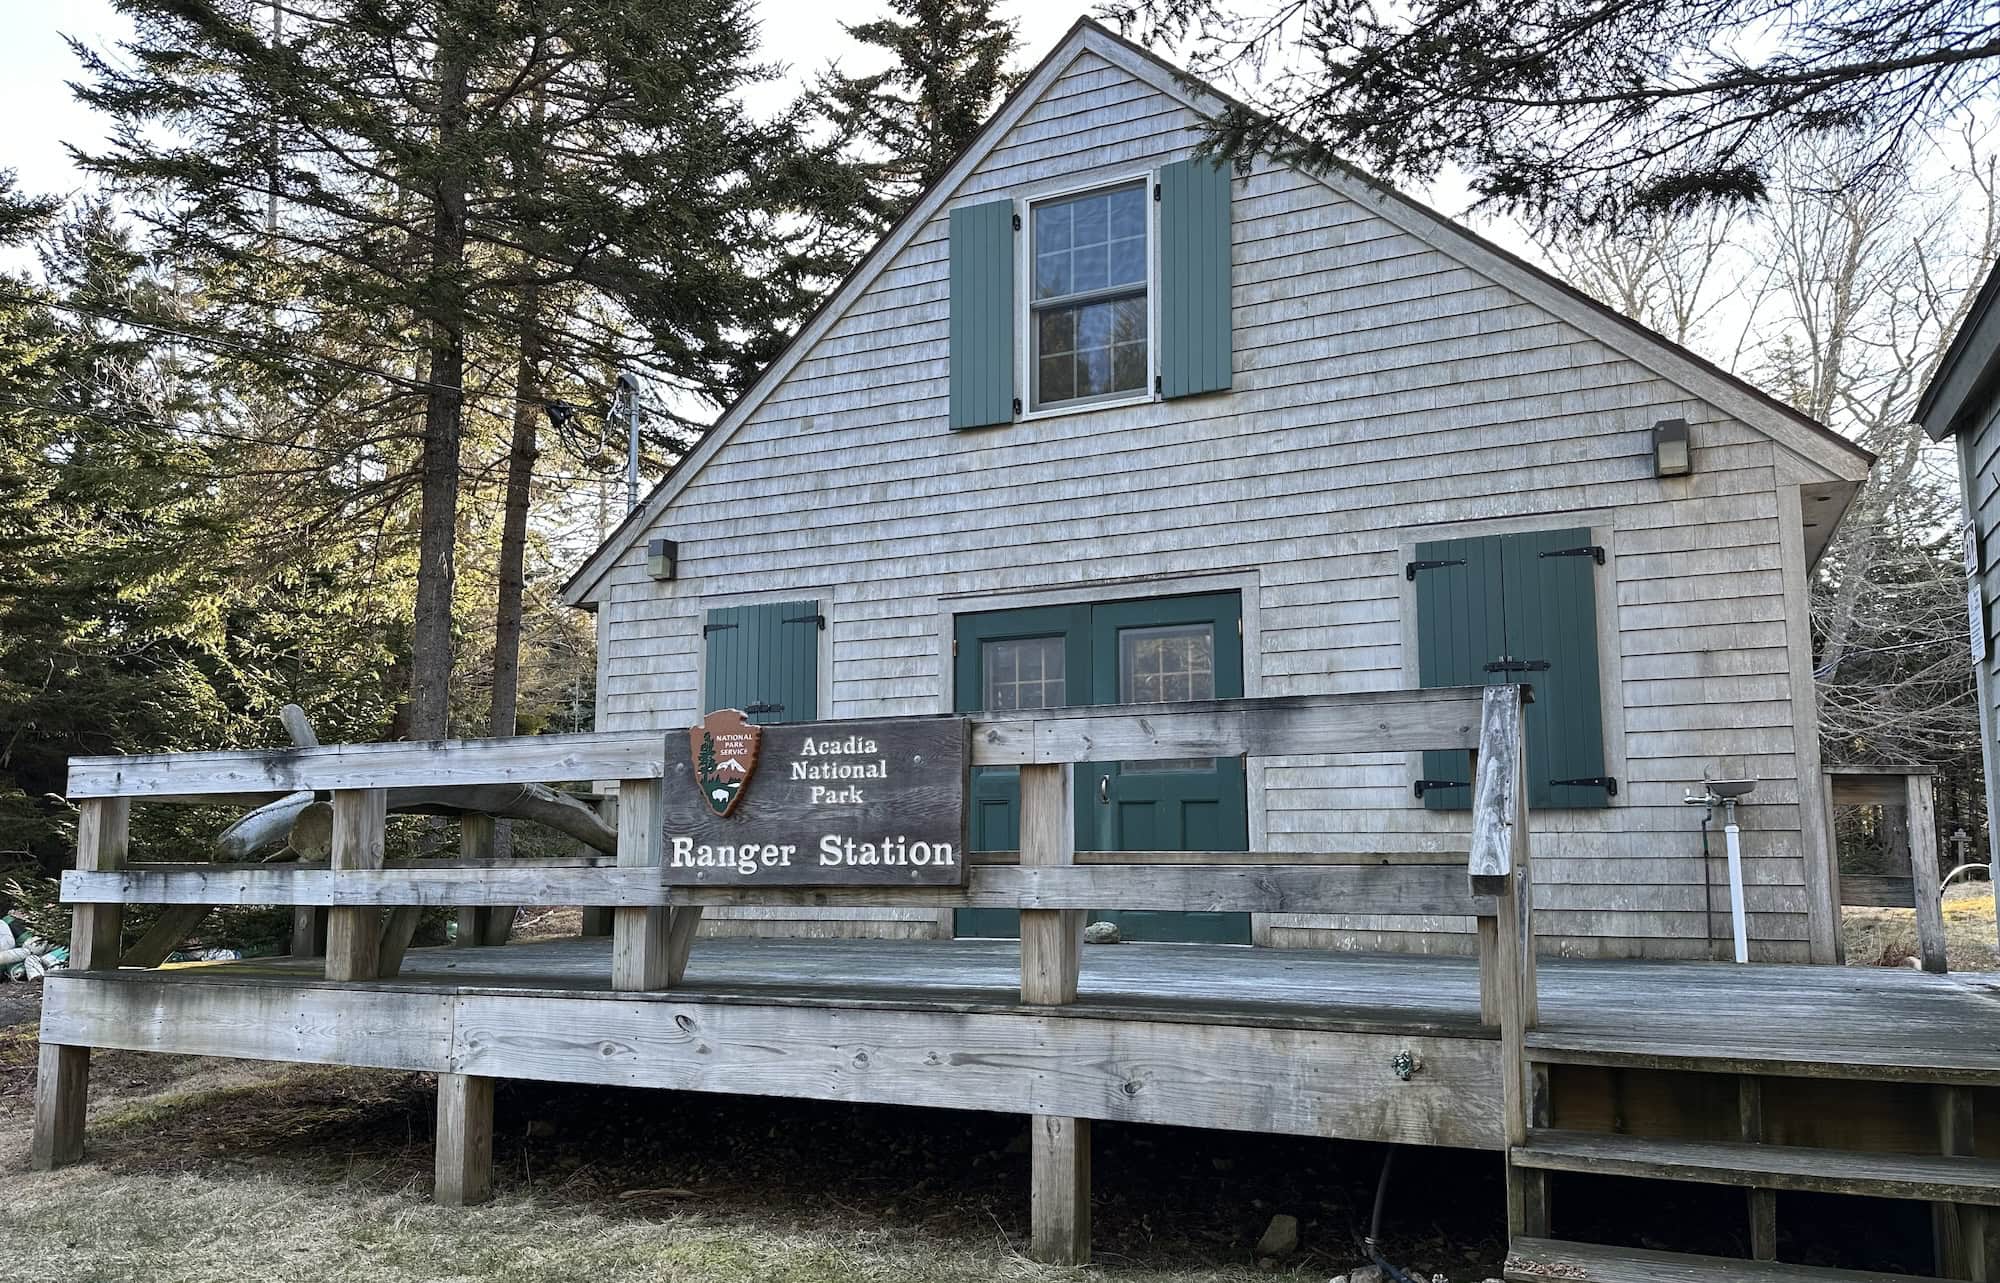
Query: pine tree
x=666, y=224
x=910, y=121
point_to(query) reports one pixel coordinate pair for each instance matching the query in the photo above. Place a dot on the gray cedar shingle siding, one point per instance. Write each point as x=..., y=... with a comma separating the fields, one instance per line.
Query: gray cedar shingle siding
x=1379, y=386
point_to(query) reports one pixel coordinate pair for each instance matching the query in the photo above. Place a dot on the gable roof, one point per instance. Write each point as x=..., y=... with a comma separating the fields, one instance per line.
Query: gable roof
x=1818, y=446
x=1968, y=375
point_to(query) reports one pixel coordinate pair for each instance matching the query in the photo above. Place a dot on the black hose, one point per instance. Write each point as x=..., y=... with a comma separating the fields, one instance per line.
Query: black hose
x=1371, y=1243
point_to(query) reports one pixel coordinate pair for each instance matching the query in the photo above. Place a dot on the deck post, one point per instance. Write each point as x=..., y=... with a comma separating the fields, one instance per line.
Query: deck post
x=464, y=1140
x=354, y=936
x=308, y=931
x=597, y=919
x=481, y=924
x=639, y=946
x=1920, y=810
x=1051, y=955
x=62, y=1073
x=1762, y=1203
x=103, y=830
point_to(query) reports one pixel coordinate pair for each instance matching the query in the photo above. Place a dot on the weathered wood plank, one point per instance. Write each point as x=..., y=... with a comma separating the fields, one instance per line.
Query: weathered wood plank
x=1921, y=813
x=639, y=949
x=1051, y=939
x=62, y=1087
x=1496, y=789
x=353, y=936
x=1336, y=1084
x=103, y=831
x=1444, y=718
x=464, y=1140
x=1932, y=1178
x=1059, y=1185
x=1876, y=892
x=315, y=1024
x=308, y=930
x=398, y=929
x=1194, y=888
x=528, y=759
x=1760, y=1204
x=1540, y=1260
x=165, y=935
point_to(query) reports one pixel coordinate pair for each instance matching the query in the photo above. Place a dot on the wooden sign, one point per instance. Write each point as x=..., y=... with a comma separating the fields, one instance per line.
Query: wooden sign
x=855, y=803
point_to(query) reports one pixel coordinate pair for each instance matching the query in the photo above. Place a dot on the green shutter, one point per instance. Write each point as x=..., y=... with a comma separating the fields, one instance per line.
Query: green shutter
x=982, y=314
x=1194, y=277
x=1515, y=598
x=1552, y=616
x=1460, y=627
x=765, y=655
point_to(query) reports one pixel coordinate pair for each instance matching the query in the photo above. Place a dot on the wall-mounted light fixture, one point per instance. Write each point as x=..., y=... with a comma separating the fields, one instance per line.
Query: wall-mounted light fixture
x=1671, y=456
x=663, y=557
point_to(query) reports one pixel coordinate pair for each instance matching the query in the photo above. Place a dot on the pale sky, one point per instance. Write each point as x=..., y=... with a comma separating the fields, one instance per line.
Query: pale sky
x=35, y=65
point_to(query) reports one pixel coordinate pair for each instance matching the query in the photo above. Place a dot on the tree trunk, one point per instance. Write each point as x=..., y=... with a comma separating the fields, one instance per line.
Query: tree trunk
x=514, y=540
x=444, y=408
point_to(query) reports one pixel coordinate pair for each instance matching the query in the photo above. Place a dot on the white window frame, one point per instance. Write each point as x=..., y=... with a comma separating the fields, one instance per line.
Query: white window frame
x=1024, y=284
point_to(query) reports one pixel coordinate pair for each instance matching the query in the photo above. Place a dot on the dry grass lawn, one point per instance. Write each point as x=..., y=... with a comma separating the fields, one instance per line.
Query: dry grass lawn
x=1888, y=937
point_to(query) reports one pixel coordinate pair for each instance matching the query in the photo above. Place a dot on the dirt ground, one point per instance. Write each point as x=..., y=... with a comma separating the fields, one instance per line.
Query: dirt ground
x=1888, y=937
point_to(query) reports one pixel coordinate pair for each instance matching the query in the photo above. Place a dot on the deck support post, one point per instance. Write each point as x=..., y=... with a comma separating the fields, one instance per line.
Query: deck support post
x=62, y=1080
x=639, y=947
x=1920, y=811
x=354, y=936
x=481, y=924
x=308, y=931
x=1051, y=956
x=1762, y=1204
x=464, y=1140
x=1964, y=1235
x=596, y=919
x=62, y=1073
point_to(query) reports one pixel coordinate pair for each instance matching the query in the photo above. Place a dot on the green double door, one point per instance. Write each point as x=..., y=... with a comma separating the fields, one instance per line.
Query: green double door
x=1159, y=650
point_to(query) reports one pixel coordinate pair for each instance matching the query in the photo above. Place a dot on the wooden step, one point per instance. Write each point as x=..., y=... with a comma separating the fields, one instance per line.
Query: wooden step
x=1541, y=1260
x=1932, y=1178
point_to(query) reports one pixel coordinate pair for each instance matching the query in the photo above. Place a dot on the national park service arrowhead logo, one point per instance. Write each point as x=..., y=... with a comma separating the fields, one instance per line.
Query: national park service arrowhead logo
x=725, y=752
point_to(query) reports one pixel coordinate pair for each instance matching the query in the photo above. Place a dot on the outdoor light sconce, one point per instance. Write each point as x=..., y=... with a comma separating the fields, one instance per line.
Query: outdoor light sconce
x=1671, y=456
x=663, y=558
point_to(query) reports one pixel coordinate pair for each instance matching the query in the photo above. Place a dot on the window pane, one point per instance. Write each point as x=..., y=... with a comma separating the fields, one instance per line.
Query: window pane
x=1162, y=665
x=1128, y=212
x=1052, y=275
x=1056, y=330
x=1052, y=224
x=1128, y=366
x=1055, y=379
x=1093, y=371
x=1092, y=215
x=1088, y=269
x=1023, y=673
x=1128, y=261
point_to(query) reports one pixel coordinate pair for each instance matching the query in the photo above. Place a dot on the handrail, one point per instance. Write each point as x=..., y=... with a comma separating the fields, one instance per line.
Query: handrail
x=1391, y=722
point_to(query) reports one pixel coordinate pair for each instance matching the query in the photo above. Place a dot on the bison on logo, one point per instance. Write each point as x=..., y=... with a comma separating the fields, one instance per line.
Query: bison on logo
x=725, y=752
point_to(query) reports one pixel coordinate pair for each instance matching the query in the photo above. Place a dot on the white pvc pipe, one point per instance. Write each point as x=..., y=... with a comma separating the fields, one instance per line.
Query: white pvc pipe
x=1730, y=836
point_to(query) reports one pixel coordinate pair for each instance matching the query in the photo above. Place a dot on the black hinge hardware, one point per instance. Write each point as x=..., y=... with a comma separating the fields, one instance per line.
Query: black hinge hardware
x=1424, y=786
x=1410, y=568
x=1605, y=782
x=1017, y=405
x=806, y=619
x=1156, y=191
x=706, y=629
x=754, y=709
x=1593, y=552
x=1017, y=222
x=1159, y=384
x=1517, y=666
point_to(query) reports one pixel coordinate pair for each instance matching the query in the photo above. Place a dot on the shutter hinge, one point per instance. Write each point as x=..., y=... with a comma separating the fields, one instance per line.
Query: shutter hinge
x=1156, y=191
x=1605, y=782
x=1017, y=405
x=1017, y=222
x=1593, y=552
x=706, y=629
x=806, y=619
x=1517, y=666
x=1159, y=384
x=1424, y=786
x=753, y=710
x=954, y=648
x=1410, y=568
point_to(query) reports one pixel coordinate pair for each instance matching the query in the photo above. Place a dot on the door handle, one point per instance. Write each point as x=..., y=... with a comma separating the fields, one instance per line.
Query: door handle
x=1104, y=789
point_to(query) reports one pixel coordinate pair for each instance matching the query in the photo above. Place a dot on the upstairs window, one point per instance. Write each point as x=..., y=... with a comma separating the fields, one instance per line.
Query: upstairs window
x=1089, y=323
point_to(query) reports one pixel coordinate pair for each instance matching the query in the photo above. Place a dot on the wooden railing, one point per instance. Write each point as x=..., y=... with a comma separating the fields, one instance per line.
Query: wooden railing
x=654, y=925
